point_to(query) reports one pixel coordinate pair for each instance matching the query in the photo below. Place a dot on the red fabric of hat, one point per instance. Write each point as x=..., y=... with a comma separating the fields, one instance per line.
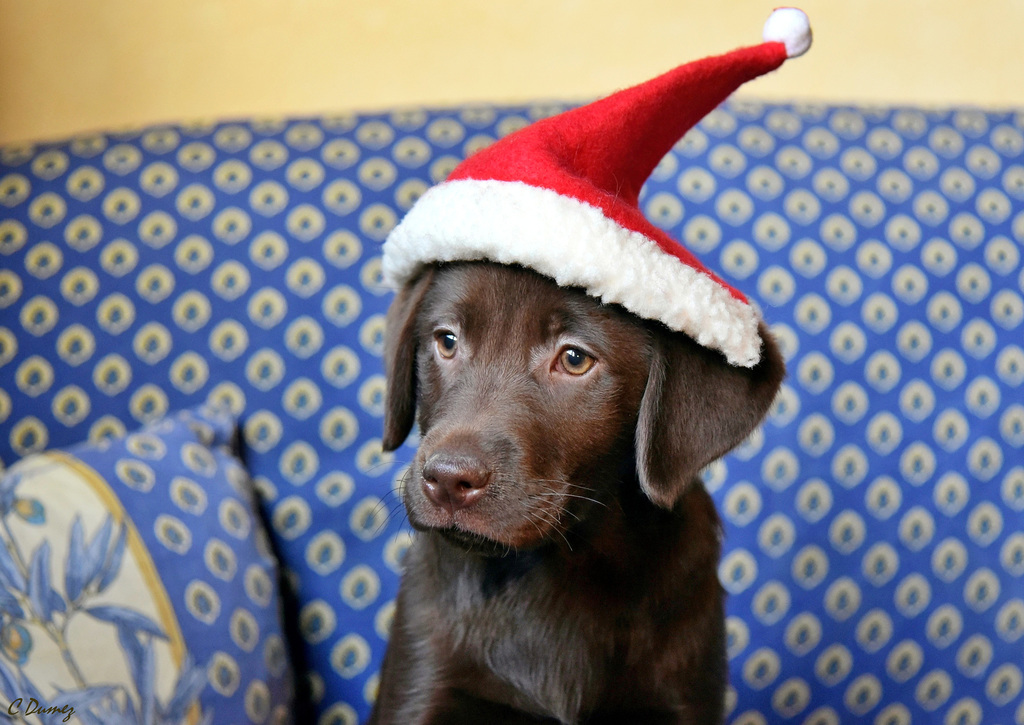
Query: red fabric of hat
x=561, y=197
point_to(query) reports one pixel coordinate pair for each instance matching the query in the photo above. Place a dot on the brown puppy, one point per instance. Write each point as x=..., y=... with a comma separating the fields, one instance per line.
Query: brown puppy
x=567, y=566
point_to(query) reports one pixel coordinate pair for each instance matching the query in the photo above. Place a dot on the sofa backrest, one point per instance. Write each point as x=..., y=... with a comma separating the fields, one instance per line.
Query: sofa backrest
x=873, y=551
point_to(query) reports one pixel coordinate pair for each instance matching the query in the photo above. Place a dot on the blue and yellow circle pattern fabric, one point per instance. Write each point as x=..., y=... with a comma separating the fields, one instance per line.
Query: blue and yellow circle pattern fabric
x=873, y=552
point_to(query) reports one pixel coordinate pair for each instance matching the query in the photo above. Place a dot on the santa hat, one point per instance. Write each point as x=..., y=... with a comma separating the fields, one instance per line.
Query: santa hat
x=561, y=197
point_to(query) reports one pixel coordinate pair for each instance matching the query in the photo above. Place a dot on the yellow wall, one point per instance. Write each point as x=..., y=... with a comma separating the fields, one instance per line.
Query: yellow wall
x=68, y=66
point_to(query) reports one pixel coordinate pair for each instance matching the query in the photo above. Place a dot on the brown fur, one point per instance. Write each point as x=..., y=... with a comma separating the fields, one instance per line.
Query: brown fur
x=566, y=567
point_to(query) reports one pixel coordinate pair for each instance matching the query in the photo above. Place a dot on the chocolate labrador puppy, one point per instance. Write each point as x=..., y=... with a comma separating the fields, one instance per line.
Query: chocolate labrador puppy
x=566, y=565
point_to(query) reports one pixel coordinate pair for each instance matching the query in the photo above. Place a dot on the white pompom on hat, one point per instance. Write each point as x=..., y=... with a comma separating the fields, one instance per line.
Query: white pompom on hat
x=790, y=27
x=561, y=197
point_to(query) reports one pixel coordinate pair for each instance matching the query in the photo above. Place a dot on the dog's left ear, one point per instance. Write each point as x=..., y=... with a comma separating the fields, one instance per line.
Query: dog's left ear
x=400, y=360
x=696, y=407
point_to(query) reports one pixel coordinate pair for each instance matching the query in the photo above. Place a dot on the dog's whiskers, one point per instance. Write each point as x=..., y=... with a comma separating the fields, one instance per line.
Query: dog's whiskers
x=396, y=492
x=555, y=494
x=399, y=507
x=388, y=462
x=536, y=498
x=579, y=486
x=403, y=482
x=549, y=518
x=570, y=485
x=539, y=530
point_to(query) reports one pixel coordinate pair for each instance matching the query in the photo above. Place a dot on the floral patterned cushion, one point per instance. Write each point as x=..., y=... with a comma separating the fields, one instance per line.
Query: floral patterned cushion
x=137, y=583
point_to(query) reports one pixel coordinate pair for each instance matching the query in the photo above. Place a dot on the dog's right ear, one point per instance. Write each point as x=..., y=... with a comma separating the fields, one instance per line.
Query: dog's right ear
x=400, y=360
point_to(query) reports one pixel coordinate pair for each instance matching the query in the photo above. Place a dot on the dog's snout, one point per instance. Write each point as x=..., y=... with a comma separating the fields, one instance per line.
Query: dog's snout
x=454, y=482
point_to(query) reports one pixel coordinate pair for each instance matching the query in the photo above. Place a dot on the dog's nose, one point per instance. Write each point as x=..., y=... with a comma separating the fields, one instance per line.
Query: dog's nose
x=454, y=482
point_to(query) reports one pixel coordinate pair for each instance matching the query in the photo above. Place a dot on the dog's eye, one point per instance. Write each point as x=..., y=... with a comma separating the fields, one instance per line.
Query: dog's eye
x=447, y=343
x=574, y=361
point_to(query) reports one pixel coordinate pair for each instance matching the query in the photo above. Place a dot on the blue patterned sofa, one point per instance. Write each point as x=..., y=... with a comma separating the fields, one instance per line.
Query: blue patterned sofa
x=213, y=292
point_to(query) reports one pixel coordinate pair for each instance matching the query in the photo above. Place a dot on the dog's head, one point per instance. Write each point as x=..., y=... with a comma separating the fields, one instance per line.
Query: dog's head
x=536, y=404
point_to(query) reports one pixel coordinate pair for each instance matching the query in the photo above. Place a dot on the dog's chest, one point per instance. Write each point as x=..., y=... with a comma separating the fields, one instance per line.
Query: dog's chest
x=525, y=638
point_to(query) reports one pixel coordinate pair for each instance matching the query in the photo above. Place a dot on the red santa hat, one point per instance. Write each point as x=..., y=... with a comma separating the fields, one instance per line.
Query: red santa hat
x=561, y=197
